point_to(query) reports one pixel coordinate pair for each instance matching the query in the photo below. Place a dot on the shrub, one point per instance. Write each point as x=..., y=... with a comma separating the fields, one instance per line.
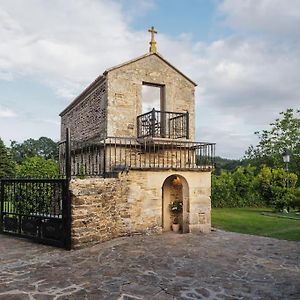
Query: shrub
x=27, y=200
x=38, y=167
x=237, y=189
x=277, y=187
x=223, y=191
x=295, y=203
x=245, y=183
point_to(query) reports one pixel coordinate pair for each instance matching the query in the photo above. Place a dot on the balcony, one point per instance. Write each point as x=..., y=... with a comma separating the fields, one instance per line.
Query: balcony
x=163, y=124
x=117, y=154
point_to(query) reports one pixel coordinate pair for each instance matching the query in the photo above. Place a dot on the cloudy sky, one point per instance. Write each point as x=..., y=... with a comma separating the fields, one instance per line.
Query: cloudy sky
x=244, y=55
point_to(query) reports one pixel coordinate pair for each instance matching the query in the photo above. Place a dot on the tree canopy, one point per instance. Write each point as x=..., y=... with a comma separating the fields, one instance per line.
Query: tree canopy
x=7, y=166
x=43, y=147
x=283, y=134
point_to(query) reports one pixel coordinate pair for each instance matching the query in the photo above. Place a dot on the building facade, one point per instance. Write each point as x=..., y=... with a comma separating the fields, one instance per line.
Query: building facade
x=134, y=152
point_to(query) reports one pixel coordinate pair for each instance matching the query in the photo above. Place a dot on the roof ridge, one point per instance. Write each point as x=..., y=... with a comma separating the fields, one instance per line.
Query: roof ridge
x=146, y=55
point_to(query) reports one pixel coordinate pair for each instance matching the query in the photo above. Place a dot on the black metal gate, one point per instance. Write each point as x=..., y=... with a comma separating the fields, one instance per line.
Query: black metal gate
x=38, y=209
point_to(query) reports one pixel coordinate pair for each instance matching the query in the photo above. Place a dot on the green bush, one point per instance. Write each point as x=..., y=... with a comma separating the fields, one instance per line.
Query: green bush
x=35, y=197
x=242, y=188
x=277, y=187
x=245, y=183
x=295, y=204
x=223, y=191
x=236, y=189
x=38, y=167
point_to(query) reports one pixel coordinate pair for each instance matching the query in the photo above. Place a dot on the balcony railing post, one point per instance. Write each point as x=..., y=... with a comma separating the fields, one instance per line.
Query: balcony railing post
x=153, y=123
x=138, y=127
x=163, y=124
x=187, y=125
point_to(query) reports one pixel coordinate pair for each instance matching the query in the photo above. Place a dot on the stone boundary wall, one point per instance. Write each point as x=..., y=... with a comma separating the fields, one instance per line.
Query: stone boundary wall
x=98, y=209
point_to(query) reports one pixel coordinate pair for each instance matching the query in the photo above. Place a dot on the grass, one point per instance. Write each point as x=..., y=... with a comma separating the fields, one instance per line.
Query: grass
x=253, y=221
x=290, y=215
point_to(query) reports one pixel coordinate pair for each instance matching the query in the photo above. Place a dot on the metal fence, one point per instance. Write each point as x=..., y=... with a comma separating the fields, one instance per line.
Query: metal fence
x=38, y=209
x=115, y=154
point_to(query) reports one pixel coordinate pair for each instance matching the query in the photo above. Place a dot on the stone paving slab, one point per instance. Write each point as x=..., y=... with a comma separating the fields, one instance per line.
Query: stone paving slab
x=221, y=265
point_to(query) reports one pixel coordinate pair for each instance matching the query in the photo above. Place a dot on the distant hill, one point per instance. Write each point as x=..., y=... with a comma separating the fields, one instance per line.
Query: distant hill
x=226, y=164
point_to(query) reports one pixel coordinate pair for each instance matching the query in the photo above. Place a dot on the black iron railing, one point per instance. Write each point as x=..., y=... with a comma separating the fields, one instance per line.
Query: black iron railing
x=163, y=124
x=115, y=154
x=37, y=209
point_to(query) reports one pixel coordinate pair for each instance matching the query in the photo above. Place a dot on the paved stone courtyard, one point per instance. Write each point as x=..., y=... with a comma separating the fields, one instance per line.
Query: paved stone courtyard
x=220, y=265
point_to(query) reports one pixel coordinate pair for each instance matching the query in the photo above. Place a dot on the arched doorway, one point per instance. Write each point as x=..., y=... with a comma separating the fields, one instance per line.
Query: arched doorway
x=175, y=189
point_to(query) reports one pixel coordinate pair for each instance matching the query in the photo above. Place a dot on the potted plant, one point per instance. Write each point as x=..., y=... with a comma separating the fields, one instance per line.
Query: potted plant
x=175, y=210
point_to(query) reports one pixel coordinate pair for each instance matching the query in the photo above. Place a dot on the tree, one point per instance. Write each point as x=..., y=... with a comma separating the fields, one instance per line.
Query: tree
x=7, y=166
x=38, y=167
x=284, y=134
x=43, y=147
x=277, y=187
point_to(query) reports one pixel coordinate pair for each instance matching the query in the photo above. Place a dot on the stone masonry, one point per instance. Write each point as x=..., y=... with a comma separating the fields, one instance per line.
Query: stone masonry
x=103, y=209
x=110, y=105
x=125, y=93
x=87, y=116
x=98, y=209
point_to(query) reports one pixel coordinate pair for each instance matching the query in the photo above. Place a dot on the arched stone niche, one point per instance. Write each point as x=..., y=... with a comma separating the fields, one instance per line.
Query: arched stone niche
x=175, y=188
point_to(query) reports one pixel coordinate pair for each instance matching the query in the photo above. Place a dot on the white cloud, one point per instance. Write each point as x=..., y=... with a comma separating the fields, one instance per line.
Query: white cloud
x=244, y=80
x=276, y=17
x=6, y=112
x=66, y=44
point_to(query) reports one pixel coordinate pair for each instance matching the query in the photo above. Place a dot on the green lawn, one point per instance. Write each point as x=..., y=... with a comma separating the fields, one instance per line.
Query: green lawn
x=252, y=221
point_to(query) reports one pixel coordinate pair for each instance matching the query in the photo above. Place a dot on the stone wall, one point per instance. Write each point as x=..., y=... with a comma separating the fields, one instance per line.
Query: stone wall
x=125, y=93
x=103, y=209
x=110, y=106
x=98, y=209
x=87, y=119
x=145, y=198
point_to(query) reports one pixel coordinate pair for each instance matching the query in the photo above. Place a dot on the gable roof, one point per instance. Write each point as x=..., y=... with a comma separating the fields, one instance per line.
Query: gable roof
x=144, y=56
x=100, y=78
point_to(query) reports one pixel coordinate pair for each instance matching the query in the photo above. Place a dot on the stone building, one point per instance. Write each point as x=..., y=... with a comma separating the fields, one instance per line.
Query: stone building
x=134, y=152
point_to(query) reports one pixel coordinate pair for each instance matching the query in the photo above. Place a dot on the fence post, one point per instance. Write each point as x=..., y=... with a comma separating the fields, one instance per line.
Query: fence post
x=2, y=205
x=68, y=154
x=67, y=206
x=104, y=158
